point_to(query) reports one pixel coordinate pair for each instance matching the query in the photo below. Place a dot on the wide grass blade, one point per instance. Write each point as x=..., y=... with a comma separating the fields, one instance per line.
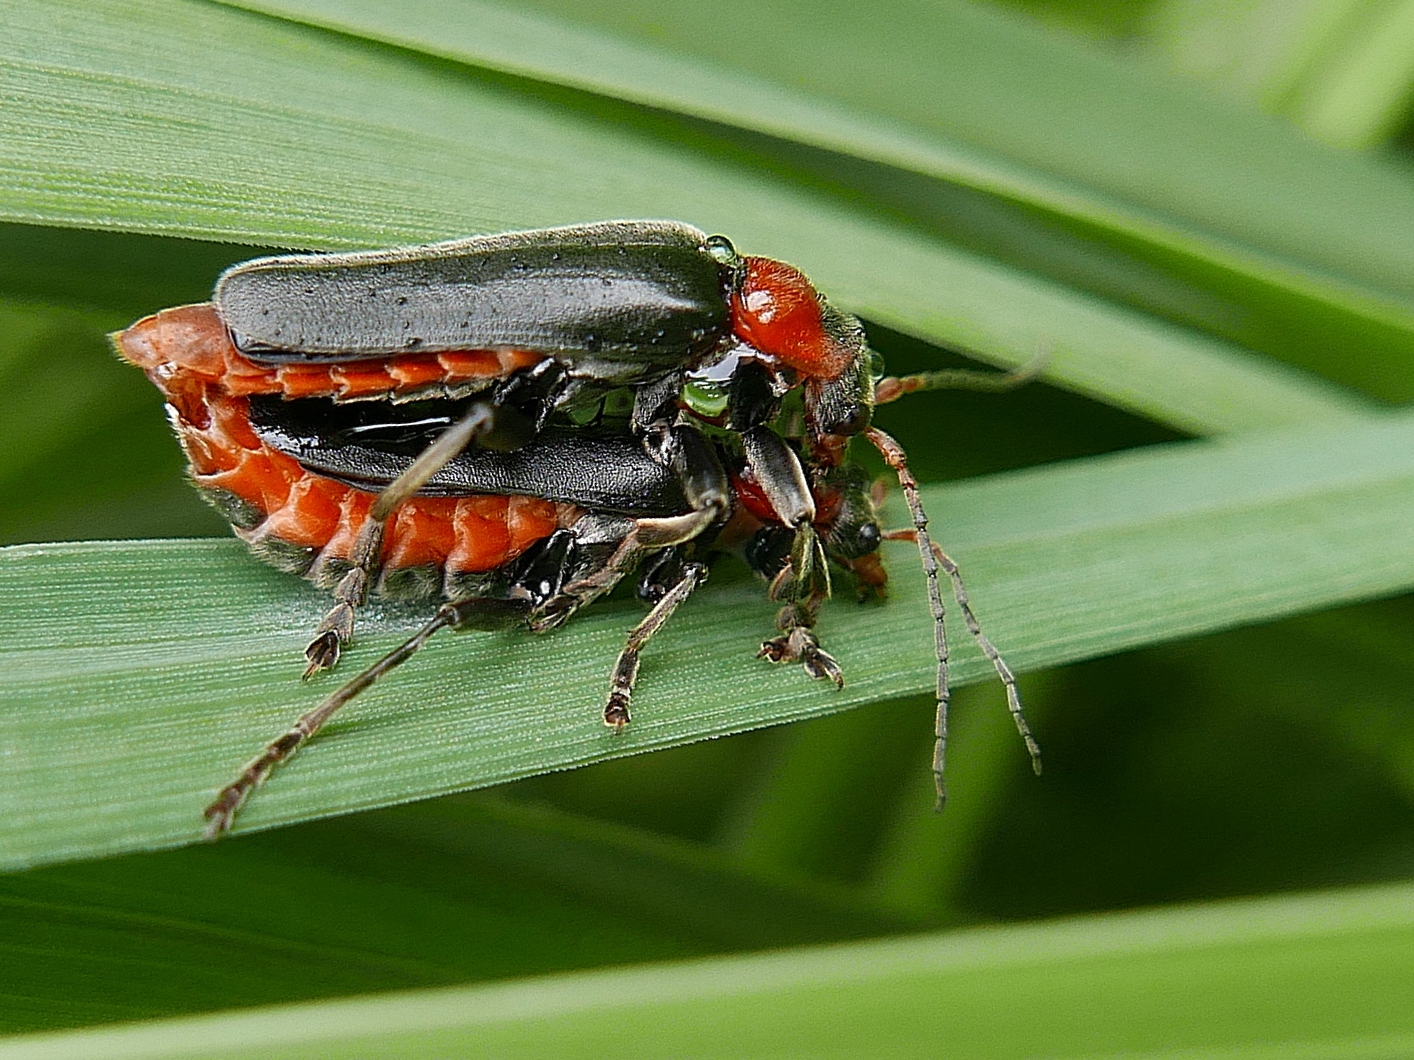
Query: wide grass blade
x=443, y=892
x=210, y=122
x=137, y=676
x=1316, y=975
x=1033, y=149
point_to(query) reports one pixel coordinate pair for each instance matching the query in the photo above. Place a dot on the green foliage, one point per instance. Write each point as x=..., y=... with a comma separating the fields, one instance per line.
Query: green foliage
x=1343, y=70
x=1227, y=304
x=1320, y=976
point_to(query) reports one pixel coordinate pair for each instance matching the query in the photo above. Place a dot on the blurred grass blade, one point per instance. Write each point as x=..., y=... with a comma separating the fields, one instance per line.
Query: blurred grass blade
x=1026, y=151
x=446, y=891
x=1258, y=51
x=134, y=677
x=1362, y=93
x=1319, y=975
x=212, y=122
x=1343, y=70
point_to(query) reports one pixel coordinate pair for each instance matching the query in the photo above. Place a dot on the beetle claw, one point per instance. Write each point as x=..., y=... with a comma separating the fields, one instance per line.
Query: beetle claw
x=821, y=664
x=801, y=645
x=222, y=811
x=322, y=653
x=616, y=713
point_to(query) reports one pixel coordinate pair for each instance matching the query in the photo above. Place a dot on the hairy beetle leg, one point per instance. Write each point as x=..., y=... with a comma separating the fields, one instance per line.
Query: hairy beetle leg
x=798, y=642
x=336, y=628
x=229, y=800
x=616, y=708
x=934, y=558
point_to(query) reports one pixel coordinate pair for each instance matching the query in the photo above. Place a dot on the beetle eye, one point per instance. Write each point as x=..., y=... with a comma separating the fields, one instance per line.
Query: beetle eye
x=870, y=537
x=838, y=410
x=720, y=250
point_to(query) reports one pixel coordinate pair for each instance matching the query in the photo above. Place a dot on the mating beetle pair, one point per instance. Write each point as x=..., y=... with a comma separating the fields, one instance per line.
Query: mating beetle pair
x=515, y=423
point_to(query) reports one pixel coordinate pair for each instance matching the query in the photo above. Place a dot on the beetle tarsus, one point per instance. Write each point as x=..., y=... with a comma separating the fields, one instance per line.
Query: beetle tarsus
x=616, y=712
x=336, y=628
x=222, y=811
x=322, y=653
x=799, y=644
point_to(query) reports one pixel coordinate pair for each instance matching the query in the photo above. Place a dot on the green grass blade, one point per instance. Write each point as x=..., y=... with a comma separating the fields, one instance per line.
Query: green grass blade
x=1343, y=70
x=137, y=676
x=443, y=892
x=938, y=107
x=1317, y=975
x=1360, y=95
x=212, y=122
x=958, y=173
x=983, y=78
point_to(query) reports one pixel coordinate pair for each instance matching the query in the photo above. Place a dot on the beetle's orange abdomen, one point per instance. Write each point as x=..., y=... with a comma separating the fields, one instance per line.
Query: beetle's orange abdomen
x=296, y=518
x=192, y=339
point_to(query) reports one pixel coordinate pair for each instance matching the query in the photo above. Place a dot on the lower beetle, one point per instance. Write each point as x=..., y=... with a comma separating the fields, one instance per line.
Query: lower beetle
x=435, y=422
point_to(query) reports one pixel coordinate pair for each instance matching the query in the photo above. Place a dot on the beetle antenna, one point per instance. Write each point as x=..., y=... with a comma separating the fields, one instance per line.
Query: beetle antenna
x=933, y=558
x=223, y=809
x=891, y=388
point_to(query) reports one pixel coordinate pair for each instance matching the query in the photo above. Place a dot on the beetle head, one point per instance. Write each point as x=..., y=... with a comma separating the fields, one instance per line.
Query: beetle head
x=848, y=516
x=777, y=311
x=841, y=406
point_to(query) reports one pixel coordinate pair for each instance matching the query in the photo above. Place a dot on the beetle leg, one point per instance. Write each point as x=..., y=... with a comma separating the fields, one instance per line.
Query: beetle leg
x=336, y=629
x=642, y=537
x=685, y=451
x=933, y=558
x=798, y=643
x=659, y=573
x=778, y=471
x=472, y=612
x=513, y=414
x=574, y=567
x=625, y=672
x=805, y=581
x=223, y=808
x=782, y=479
x=891, y=388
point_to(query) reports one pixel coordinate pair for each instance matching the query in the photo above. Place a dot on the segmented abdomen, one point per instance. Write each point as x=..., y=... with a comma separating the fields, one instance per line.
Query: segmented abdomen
x=192, y=339
x=293, y=518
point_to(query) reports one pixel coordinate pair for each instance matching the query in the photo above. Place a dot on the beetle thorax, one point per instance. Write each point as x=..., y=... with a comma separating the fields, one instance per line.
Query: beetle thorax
x=778, y=311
